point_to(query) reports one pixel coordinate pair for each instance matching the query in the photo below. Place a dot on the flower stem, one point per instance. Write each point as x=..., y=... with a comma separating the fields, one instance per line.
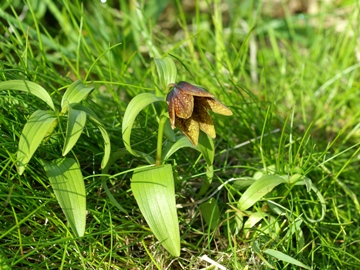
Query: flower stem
x=162, y=121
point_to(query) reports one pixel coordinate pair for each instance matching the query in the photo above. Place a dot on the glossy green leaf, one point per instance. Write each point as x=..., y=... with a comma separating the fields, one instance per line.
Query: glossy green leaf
x=171, y=148
x=137, y=104
x=243, y=183
x=206, y=147
x=154, y=191
x=40, y=124
x=258, y=190
x=75, y=125
x=169, y=132
x=106, y=138
x=93, y=118
x=68, y=184
x=211, y=213
x=76, y=92
x=285, y=258
x=166, y=70
x=28, y=87
x=253, y=219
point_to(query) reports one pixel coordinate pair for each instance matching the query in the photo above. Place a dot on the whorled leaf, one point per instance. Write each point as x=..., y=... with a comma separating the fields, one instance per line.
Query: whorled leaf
x=136, y=105
x=75, y=125
x=154, y=191
x=28, y=87
x=68, y=184
x=40, y=125
x=166, y=71
x=76, y=92
x=258, y=190
x=93, y=118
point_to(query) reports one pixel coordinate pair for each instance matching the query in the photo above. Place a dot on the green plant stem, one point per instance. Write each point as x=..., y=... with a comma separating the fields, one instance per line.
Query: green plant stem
x=162, y=121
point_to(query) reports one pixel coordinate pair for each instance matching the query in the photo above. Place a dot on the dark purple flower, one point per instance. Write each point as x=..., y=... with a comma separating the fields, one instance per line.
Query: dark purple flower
x=188, y=107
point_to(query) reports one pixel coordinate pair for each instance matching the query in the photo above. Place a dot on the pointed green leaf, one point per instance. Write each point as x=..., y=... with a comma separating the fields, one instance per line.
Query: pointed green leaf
x=28, y=87
x=133, y=109
x=68, y=184
x=75, y=125
x=258, y=190
x=206, y=147
x=211, y=213
x=106, y=138
x=166, y=70
x=253, y=219
x=169, y=132
x=39, y=125
x=208, y=180
x=243, y=183
x=286, y=258
x=171, y=148
x=93, y=118
x=154, y=191
x=76, y=92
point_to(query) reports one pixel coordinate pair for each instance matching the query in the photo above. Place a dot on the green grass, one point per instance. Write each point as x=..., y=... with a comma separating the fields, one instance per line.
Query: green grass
x=291, y=80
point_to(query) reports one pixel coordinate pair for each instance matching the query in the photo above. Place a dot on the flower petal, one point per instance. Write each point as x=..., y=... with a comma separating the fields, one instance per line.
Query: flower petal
x=181, y=102
x=190, y=128
x=215, y=106
x=192, y=90
x=206, y=124
x=171, y=110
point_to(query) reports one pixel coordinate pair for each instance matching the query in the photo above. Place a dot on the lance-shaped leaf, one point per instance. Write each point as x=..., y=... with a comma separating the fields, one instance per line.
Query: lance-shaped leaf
x=75, y=125
x=205, y=147
x=68, y=184
x=93, y=118
x=258, y=190
x=154, y=191
x=166, y=70
x=28, y=87
x=40, y=124
x=171, y=148
x=211, y=213
x=136, y=105
x=76, y=92
x=286, y=258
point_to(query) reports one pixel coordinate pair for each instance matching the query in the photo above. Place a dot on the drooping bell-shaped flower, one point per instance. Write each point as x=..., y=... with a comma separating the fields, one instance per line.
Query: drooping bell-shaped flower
x=188, y=107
